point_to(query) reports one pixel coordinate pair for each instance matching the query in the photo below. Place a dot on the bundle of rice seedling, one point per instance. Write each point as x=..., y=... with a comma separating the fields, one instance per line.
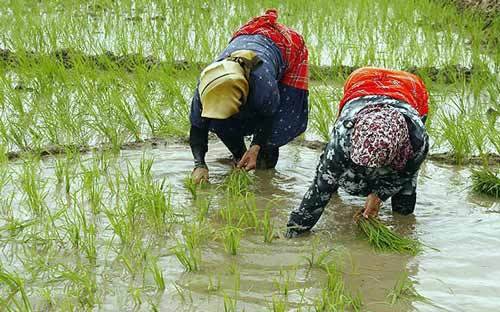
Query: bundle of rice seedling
x=383, y=238
x=486, y=181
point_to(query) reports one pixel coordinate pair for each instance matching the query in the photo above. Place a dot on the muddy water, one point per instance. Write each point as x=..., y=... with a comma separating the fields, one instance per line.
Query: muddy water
x=459, y=273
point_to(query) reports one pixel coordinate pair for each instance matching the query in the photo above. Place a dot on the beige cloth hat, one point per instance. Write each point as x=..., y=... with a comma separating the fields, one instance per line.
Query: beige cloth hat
x=224, y=85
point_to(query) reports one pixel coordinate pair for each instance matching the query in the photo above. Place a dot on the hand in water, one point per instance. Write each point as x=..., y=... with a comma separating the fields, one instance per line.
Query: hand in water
x=199, y=175
x=249, y=159
x=372, y=206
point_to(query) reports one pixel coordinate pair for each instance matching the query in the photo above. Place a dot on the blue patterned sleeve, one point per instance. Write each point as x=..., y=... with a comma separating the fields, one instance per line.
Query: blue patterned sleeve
x=265, y=99
x=316, y=198
x=264, y=94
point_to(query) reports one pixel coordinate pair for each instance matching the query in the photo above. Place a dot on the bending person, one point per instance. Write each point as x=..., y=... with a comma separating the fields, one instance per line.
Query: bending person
x=376, y=148
x=257, y=86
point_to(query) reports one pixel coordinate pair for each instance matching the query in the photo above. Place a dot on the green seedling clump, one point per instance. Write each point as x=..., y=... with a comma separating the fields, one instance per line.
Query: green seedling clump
x=383, y=238
x=238, y=183
x=335, y=295
x=404, y=289
x=486, y=181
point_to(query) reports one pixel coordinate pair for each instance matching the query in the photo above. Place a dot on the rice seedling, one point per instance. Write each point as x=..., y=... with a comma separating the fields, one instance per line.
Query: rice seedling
x=382, y=238
x=335, y=296
x=92, y=189
x=456, y=137
x=279, y=304
x=318, y=258
x=230, y=303
x=13, y=285
x=213, y=286
x=323, y=111
x=81, y=283
x=267, y=227
x=285, y=282
x=486, y=181
x=404, y=289
x=234, y=211
x=231, y=237
x=104, y=74
x=81, y=231
x=136, y=295
x=249, y=212
x=3, y=154
x=189, y=252
x=191, y=187
x=34, y=189
x=237, y=183
x=494, y=138
x=203, y=205
x=477, y=131
x=147, y=197
x=157, y=274
x=183, y=293
x=5, y=177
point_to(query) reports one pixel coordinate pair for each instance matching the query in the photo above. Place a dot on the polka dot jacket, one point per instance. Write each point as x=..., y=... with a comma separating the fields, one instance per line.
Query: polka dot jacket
x=286, y=106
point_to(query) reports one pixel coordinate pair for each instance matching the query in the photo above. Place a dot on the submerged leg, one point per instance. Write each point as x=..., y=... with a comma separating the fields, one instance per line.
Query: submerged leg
x=235, y=144
x=403, y=204
x=268, y=157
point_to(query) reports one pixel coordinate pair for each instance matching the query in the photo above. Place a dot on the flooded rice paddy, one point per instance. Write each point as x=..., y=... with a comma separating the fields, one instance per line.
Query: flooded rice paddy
x=108, y=231
x=457, y=271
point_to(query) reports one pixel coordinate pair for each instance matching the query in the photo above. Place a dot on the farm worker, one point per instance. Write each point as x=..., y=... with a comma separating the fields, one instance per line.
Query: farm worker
x=257, y=86
x=377, y=145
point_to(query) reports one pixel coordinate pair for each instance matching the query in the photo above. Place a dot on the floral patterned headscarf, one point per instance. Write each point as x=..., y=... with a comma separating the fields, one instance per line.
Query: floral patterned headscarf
x=380, y=138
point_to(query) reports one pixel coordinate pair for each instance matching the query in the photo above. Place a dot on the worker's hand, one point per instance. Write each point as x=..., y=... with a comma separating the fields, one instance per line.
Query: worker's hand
x=372, y=206
x=249, y=159
x=199, y=175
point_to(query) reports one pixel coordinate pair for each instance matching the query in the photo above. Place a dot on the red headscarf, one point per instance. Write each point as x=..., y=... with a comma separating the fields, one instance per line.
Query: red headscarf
x=396, y=84
x=290, y=43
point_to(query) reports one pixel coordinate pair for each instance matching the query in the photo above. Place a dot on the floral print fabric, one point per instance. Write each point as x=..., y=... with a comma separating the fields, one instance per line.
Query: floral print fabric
x=380, y=138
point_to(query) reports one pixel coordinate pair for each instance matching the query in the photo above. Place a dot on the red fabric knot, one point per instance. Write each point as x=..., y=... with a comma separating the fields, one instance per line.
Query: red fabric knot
x=291, y=45
x=272, y=15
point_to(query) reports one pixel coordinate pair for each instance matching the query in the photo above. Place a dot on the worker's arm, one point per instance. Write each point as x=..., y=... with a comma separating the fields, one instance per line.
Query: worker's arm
x=198, y=140
x=263, y=131
x=266, y=101
x=401, y=189
x=260, y=139
x=313, y=204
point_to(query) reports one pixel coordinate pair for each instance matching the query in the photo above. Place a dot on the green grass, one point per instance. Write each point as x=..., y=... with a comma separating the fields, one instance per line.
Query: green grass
x=486, y=181
x=335, y=296
x=237, y=183
x=125, y=98
x=231, y=236
x=404, y=289
x=382, y=238
x=188, y=251
x=13, y=285
x=318, y=257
